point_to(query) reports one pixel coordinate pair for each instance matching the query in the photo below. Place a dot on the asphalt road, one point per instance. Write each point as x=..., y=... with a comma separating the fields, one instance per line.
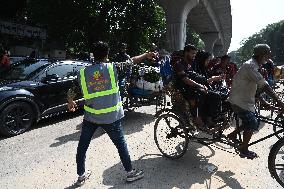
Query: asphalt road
x=44, y=157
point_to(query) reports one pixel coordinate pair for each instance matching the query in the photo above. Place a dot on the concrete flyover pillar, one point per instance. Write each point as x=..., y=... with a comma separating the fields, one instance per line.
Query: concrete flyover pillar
x=209, y=39
x=176, y=16
x=218, y=50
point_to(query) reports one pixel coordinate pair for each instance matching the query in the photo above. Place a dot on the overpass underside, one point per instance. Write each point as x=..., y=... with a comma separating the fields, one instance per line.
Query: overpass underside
x=211, y=19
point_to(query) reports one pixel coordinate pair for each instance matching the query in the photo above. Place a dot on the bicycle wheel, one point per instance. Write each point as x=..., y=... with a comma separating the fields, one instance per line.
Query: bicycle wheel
x=171, y=136
x=281, y=97
x=257, y=107
x=276, y=162
x=279, y=118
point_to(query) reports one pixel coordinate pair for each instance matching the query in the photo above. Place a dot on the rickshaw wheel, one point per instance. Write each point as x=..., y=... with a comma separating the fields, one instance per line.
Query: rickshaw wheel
x=171, y=136
x=279, y=118
x=276, y=162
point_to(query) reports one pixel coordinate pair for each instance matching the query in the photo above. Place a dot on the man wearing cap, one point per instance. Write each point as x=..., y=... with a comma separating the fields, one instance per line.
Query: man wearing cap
x=242, y=96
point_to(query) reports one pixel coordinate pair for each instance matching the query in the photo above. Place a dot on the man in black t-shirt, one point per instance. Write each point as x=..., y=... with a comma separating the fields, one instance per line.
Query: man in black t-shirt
x=122, y=56
x=195, y=87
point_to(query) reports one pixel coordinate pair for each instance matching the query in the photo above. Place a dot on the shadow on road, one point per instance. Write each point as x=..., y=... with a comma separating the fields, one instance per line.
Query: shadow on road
x=57, y=119
x=132, y=123
x=3, y=137
x=73, y=186
x=163, y=173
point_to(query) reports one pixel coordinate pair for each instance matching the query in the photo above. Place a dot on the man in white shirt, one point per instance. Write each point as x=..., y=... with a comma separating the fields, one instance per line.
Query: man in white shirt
x=242, y=96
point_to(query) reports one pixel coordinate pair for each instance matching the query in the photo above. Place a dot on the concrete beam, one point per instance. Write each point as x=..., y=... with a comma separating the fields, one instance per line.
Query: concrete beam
x=218, y=50
x=209, y=38
x=214, y=18
x=176, y=16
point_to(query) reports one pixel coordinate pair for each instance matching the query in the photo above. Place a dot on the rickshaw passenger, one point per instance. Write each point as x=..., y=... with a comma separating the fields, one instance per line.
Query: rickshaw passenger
x=194, y=87
x=201, y=62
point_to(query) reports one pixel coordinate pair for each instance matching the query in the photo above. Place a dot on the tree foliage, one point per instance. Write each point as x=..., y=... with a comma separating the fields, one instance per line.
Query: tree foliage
x=273, y=35
x=14, y=10
x=79, y=23
x=194, y=39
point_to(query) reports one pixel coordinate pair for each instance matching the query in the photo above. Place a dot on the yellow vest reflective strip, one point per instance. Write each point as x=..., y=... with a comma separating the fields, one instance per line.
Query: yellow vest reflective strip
x=114, y=88
x=103, y=111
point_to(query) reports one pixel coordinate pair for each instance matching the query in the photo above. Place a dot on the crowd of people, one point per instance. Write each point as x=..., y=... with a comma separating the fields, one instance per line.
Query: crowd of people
x=193, y=72
x=194, y=77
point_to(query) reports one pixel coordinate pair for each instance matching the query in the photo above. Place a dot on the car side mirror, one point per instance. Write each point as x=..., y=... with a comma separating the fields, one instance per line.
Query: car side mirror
x=50, y=78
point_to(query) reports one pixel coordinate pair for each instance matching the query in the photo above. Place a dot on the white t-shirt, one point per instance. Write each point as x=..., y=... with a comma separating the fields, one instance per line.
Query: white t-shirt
x=245, y=84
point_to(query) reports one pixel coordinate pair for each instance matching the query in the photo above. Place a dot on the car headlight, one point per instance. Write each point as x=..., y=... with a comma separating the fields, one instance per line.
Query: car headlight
x=5, y=88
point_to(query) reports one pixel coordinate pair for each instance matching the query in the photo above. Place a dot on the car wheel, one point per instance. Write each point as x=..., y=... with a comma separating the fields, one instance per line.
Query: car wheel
x=16, y=118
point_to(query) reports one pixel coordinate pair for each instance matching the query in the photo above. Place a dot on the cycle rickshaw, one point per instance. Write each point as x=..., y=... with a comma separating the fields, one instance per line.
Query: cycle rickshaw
x=174, y=128
x=135, y=90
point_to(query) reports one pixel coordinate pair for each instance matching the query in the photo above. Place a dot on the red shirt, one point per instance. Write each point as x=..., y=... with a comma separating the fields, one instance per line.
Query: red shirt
x=230, y=71
x=5, y=61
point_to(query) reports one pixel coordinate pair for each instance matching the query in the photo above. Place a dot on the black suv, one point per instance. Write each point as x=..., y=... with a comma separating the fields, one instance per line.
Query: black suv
x=33, y=89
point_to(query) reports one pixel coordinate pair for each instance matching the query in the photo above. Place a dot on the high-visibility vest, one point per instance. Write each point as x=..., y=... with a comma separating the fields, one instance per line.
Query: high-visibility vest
x=101, y=93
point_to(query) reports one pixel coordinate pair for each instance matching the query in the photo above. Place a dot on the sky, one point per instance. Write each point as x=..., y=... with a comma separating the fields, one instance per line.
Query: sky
x=250, y=16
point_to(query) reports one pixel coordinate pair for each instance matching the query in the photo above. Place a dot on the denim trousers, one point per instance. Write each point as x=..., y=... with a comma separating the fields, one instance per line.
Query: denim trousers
x=115, y=133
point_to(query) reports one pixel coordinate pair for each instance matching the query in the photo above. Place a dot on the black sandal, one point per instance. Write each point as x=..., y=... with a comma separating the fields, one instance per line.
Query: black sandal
x=248, y=154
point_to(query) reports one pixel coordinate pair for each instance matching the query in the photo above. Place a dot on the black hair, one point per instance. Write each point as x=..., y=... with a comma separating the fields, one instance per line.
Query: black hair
x=225, y=57
x=189, y=47
x=176, y=56
x=123, y=45
x=100, y=50
x=153, y=47
x=201, y=57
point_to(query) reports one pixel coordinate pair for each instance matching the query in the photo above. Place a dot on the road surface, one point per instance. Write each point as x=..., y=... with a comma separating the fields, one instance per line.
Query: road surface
x=44, y=157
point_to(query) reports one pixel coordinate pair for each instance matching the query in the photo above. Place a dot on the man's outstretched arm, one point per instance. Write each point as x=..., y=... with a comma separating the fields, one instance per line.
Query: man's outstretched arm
x=142, y=57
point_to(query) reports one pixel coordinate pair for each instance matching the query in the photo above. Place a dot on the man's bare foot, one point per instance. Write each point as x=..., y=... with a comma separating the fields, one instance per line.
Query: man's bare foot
x=248, y=154
x=232, y=136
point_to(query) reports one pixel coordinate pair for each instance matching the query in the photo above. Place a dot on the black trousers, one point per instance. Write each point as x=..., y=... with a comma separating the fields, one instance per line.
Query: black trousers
x=208, y=104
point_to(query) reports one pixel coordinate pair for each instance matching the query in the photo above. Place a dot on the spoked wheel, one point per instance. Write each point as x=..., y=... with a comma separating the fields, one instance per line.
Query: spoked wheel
x=128, y=103
x=16, y=118
x=171, y=136
x=276, y=162
x=279, y=118
x=281, y=97
x=161, y=101
x=257, y=107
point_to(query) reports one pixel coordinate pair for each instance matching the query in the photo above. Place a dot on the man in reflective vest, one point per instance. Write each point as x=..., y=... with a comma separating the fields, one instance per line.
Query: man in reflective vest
x=103, y=108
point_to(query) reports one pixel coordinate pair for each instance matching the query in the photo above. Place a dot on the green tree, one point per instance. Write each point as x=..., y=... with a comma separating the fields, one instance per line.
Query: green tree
x=13, y=10
x=273, y=35
x=80, y=23
x=194, y=39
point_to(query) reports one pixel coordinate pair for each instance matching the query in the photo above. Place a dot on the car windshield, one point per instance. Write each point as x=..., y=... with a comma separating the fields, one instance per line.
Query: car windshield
x=23, y=70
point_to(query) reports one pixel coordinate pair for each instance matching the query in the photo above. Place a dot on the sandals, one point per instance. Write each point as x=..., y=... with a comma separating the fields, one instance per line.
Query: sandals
x=248, y=154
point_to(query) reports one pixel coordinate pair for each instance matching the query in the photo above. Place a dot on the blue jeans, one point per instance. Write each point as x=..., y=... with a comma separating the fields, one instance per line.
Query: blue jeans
x=115, y=133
